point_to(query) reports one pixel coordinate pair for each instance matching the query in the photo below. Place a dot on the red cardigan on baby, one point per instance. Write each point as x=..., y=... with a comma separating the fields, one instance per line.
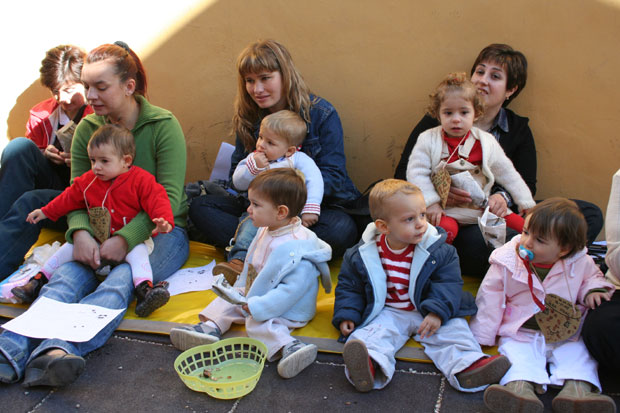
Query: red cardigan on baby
x=131, y=192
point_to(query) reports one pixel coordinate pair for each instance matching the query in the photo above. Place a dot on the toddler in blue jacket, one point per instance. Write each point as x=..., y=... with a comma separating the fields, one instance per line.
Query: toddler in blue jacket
x=403, y=280
x=279, y=277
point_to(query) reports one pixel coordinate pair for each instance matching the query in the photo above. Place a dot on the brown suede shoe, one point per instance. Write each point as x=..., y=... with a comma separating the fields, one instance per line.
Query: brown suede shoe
x=230, y=270
x=577, y=396
x=515, y=397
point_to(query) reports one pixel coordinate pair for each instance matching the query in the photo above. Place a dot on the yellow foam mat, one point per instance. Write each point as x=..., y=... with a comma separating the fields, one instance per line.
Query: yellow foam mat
x=184, y=308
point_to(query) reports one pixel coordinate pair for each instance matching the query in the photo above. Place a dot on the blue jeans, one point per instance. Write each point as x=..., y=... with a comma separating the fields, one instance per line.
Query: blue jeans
x=74, y=282
x=24, y=168
x=27, y=181
x=218, y=217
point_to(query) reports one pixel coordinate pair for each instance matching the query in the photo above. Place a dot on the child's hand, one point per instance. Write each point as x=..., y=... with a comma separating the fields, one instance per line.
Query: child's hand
x=245, y=308
x=161, y=225
x=261, y=159
x=434, y=214
x=35, y=216
x=595, y=299
x=347, y=327
x=497, y=205
x=308, y=220
x=430, y=325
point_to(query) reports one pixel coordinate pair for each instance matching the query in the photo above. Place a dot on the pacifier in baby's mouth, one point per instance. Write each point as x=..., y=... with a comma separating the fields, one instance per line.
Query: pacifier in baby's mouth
x=526, y=254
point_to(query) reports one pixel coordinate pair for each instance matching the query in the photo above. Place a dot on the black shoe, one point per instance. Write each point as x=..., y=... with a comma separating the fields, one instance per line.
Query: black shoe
x=54, y=371
x=150, y=297
x=28, y=292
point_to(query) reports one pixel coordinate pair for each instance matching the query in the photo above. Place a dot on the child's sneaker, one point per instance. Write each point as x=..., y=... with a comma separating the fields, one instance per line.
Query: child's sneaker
x=577, y=396
x=28, y=292
x=150, y=297
x=359, y=364
x=487, y=370
x=515, y=397
x=296, y=356
x=187, y=337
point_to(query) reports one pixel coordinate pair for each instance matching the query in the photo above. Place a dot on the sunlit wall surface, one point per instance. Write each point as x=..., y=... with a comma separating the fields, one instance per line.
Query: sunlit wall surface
x=376, y=61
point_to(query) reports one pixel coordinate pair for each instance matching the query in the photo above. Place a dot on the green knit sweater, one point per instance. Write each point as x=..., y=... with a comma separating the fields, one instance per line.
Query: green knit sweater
x=160, y=149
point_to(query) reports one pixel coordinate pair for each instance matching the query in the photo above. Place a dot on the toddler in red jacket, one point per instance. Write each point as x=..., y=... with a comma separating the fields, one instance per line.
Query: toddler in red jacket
x=114, y=191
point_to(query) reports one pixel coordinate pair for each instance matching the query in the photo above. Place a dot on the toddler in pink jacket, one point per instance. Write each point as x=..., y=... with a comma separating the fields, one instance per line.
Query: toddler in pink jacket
x=534, y=297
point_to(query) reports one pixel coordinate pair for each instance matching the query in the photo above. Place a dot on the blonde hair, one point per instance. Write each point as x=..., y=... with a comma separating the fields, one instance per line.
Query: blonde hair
x=287, y=125
x=266, y=55
x=384, y=190
x=455, y=83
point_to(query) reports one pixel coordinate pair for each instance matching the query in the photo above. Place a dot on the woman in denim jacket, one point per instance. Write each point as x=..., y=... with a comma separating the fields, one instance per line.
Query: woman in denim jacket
x=269, y=82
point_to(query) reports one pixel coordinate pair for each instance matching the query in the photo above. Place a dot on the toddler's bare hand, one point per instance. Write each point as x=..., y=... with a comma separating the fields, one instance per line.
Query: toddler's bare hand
x=35, y=216
x=261, y=160
x=498, y=205
x=309, y=220
x=593, y=300
x=434, y=214
x=430, y=325
x=347, y=327
x=161, y=226
x=246, y=308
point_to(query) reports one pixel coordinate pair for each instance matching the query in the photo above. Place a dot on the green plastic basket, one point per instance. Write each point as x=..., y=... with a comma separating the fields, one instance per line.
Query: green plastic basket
x=234, y=366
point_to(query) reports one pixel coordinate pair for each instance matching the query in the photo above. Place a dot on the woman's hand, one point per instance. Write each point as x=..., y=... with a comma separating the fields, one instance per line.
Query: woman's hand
x=114, y=249
x=434, y=214
x=53, y=154
x=497, y=205
x=458, y=196
x=85, y=249
x=347, y=327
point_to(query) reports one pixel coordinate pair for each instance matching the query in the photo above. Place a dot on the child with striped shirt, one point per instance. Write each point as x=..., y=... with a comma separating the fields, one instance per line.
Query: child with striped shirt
x=403, y=280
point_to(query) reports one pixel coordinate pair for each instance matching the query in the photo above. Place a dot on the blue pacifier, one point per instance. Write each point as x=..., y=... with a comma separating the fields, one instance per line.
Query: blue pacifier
x=525, y=253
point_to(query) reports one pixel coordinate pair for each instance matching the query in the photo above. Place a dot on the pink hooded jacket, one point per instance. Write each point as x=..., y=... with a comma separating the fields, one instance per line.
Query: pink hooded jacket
x=504, y=300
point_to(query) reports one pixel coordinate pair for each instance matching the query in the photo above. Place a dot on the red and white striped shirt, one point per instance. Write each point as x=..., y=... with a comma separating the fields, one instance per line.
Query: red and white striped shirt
x=397, y=265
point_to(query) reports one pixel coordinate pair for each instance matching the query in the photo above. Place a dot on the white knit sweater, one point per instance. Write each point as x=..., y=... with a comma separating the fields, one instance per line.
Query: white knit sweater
x=496, y=167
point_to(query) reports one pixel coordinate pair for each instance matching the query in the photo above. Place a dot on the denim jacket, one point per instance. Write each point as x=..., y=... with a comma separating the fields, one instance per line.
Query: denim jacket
x=324, y=144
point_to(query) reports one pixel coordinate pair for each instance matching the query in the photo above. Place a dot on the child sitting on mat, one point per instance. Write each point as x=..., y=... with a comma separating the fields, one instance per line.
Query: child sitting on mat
x=113, y=192
x=533, y=297
x=403, y=280
x=279, y=277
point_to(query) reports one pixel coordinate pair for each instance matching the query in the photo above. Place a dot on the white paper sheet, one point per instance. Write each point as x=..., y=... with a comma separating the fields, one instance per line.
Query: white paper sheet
x=191, y=279
x=48, y=318
x=222, y=162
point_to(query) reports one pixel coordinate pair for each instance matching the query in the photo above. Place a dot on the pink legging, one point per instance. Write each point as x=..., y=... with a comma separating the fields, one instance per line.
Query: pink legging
x=513, y=221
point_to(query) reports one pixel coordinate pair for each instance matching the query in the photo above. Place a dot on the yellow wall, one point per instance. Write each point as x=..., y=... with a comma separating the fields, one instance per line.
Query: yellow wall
x=376, y=61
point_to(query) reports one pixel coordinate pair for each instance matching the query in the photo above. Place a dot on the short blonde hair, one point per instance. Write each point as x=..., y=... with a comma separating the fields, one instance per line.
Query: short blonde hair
x=384, y=190
x=287, y=125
